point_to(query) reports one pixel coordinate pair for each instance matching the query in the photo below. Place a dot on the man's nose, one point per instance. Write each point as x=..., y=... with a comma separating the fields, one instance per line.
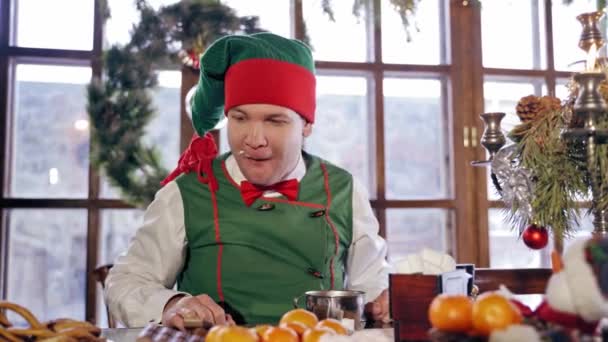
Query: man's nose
x=255, y=136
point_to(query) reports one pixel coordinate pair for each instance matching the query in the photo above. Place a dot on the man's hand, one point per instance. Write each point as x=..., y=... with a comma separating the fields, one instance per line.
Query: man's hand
x=377, y=310
x=202, y=307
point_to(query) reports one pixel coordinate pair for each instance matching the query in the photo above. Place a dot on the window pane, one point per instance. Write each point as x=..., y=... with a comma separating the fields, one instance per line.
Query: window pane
x=500, y=49
x=118, y=226
x=50, y=116
x=426, y=33
x=124, y=15
x=342, y=40
x=507, y=250
x=47, y=262
x=410, y=230
x=561, y=88
x=343, y=126
x=39, y=24
x=503, y=97
x=584, y=229
x=416, y=131
x=163, y=131
x=275, y=16
x=567, y=31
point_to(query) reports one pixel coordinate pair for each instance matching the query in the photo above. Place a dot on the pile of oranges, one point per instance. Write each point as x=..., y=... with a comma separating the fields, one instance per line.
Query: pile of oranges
x=297, y=325
x=459, y=314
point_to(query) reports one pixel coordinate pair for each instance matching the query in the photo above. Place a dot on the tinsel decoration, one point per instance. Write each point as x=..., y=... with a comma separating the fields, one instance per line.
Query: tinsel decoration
x=119, y=103
x=516, y=186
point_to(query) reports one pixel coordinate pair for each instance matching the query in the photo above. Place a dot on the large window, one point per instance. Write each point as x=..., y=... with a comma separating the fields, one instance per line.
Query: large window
x=539, y=62
x=398, y=109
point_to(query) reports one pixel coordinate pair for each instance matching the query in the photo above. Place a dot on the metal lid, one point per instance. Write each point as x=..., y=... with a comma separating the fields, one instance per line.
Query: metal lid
x=335, y=293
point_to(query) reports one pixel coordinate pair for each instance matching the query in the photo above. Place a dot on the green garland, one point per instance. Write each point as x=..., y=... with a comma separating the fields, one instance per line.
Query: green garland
x=405, y=8
x=558, y=169
x=120, y=106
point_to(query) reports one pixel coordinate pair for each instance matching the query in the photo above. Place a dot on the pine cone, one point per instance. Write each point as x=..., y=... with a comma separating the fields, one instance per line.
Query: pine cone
x=528, y=108
x=550, y=103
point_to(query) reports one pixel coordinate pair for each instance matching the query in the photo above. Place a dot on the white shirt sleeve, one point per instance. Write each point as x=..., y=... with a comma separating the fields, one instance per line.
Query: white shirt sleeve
x=141, y=281
x=366, y=266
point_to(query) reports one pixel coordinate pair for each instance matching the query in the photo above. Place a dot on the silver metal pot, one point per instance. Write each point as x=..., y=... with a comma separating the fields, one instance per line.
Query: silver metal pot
x=344, y=306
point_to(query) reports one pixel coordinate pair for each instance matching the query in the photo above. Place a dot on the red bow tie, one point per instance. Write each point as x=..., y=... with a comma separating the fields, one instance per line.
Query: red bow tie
x=250, y=192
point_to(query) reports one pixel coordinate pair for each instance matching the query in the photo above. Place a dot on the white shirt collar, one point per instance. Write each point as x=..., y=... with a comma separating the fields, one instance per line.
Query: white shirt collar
x=235, y=172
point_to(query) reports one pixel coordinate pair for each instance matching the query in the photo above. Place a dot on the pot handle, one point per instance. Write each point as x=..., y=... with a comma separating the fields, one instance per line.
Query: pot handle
x=296, y=300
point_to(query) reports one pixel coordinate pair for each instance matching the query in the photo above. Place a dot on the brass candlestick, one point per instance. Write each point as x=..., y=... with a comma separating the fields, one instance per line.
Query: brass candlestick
x=589, y=108
x=591, y=34
x=492, y=139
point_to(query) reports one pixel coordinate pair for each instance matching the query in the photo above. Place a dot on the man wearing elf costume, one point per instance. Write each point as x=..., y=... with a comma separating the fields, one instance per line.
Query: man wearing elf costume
x=244, y=233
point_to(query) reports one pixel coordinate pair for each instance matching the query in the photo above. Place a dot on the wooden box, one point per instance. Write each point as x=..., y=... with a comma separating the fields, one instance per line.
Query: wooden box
x=411, y=294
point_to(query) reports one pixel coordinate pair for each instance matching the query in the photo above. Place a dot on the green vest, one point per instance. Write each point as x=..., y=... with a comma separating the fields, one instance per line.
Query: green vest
x=263, y=256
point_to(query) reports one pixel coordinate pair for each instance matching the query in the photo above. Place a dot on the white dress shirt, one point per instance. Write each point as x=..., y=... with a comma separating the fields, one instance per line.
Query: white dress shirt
x=142, y=279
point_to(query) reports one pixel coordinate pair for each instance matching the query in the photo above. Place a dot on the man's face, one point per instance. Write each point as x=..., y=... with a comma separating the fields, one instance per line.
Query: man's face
x=266, y=141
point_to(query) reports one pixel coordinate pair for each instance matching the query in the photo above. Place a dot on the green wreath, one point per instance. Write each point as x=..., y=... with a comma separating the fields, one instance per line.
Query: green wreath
x=120, y=105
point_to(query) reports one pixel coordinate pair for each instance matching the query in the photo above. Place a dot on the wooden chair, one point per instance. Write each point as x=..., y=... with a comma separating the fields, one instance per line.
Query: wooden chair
x=100, y=274
x=411, y=295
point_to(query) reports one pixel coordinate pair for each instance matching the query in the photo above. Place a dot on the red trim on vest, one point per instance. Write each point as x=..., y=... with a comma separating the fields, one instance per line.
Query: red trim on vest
x=333, y=228
x=265, y=80
x=303, y=204
x=216, y=224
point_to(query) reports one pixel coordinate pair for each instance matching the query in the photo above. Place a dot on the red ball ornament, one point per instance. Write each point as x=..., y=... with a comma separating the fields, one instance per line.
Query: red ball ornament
x=535, y=237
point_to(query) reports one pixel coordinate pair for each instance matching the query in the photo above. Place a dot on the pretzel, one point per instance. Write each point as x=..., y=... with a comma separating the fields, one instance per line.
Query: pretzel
x=30, y=332
x=58, y=330
x=23, y=312
x=7, y=336
x=60, y=325
x=59, y=338
x=81, y=334
x=4, y=321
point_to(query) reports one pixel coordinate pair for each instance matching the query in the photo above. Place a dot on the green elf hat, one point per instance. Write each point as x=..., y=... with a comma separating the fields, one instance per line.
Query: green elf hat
x=249, y=69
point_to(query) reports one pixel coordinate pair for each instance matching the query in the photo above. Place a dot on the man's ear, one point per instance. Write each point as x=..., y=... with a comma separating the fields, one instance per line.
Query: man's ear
x=307, y=129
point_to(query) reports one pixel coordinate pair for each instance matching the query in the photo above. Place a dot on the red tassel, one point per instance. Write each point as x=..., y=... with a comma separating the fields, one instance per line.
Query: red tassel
x=197, y=157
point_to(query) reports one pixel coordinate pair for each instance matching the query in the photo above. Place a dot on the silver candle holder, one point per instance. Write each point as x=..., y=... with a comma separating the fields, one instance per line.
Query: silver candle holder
x=492, y=138
x=589, y=108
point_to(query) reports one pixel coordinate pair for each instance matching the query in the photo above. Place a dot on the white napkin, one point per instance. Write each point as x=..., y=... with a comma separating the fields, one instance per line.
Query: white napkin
x=516, y=332
x=427, y=261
